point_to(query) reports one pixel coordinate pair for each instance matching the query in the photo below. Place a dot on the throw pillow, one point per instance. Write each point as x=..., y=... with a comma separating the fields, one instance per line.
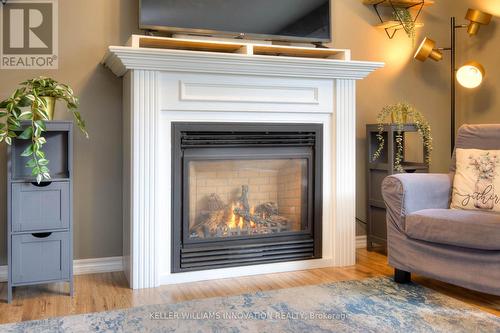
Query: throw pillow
x=477, y=180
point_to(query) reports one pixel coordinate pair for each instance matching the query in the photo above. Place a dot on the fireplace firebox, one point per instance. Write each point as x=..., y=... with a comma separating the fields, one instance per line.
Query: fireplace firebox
x=245, y=194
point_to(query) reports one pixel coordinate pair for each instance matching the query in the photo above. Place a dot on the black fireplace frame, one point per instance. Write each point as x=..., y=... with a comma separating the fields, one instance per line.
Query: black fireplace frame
x=193, y=140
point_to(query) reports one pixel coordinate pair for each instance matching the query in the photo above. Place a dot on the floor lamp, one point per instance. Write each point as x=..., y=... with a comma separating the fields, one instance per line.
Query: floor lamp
x=469, y=75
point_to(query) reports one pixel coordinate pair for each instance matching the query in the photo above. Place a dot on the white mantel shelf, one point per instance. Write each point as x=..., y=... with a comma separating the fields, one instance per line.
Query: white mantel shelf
x=120, y=59
x=162, y=86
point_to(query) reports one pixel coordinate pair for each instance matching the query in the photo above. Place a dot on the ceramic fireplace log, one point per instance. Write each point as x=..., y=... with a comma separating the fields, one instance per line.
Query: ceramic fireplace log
x=210, y=224
x=243, y=200
x=267, y=208
x=215, y=224
x=215, y=203
x=247, y=217
x=258, y=219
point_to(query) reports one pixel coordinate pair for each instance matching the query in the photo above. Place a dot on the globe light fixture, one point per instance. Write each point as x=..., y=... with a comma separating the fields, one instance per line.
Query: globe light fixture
x=470, y=75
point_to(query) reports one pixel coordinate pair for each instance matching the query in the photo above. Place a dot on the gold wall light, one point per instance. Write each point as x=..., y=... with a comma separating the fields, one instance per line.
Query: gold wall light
x=476, y=18
x=427, y=49
x=471, y=74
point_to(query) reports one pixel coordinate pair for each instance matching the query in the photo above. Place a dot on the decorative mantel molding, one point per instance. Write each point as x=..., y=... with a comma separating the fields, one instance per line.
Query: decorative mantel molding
x=163, y=86
x=120, y=59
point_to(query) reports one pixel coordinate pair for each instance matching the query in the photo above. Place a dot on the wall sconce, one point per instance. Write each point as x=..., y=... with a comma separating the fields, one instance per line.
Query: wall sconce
x=471, y=74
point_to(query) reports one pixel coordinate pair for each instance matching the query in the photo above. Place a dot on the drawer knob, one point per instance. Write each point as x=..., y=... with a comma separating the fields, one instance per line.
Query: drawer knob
x=41, y=234
x=42, y=184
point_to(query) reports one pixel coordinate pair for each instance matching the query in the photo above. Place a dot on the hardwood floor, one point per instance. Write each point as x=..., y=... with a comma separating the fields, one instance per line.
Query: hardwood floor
x=101, y=292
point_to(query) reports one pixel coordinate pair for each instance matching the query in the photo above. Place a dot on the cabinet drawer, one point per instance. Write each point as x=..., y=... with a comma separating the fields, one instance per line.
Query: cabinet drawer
x=40, y=207
x=40, y=257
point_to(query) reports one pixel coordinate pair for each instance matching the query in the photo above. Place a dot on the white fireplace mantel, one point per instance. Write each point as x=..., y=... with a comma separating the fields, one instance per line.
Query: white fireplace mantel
x=162, y=86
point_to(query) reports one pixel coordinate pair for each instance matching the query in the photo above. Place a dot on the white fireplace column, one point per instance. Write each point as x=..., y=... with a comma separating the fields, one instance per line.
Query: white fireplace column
x=162, y=86
x=344, y=233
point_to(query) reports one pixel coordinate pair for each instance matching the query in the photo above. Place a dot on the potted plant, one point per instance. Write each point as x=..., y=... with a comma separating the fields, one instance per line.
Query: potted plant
x=400, y=114
x=403, y=15
x=34, y=101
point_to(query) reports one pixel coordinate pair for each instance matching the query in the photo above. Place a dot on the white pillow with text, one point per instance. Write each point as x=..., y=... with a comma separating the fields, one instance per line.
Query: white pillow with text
x=476, y=184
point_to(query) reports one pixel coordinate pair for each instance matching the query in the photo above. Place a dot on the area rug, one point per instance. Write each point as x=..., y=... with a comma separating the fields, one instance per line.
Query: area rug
x=371, y=305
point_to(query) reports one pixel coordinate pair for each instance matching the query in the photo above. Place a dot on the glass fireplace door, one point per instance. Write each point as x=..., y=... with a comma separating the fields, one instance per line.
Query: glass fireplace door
x=239, y=193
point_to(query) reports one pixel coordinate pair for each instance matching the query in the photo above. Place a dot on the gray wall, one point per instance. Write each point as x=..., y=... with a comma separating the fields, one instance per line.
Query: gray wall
x=88, y=27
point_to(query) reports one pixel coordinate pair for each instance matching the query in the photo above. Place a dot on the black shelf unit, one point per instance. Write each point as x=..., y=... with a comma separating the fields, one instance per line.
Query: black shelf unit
x=376, y=228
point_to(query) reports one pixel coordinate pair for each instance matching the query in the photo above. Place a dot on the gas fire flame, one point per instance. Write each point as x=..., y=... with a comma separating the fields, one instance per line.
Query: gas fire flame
x=252, y=210
x=233, y=223
x=232, y=220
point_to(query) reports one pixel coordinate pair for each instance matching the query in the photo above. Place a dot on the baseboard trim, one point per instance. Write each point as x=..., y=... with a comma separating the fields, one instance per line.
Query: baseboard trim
x=115, y=264
x=360, y=242
x=85, y=266
x=97, y=265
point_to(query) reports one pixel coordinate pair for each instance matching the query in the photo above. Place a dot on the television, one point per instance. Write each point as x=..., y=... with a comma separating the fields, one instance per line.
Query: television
x=275, y=20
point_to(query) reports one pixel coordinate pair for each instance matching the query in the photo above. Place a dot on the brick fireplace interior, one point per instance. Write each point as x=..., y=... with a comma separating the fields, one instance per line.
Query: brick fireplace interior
x=268, y=191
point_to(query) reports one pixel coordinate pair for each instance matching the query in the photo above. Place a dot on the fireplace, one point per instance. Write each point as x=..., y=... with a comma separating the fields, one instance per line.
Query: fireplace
x=164, y=87
x=245, y=194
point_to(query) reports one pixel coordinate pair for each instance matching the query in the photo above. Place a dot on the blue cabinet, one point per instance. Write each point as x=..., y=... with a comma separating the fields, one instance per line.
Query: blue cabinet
x=42, y=206
x=40, y=257
x=40, y=226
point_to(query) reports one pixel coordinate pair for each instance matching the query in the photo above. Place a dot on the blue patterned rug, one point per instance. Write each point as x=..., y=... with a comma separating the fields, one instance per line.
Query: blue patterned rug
x=371, y=305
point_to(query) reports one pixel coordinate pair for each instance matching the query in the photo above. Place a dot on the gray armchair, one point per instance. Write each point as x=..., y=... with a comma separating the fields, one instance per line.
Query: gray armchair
x=425, y=237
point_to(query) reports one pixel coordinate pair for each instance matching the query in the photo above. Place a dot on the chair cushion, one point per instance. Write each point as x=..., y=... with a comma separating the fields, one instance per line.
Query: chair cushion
x=469, y=229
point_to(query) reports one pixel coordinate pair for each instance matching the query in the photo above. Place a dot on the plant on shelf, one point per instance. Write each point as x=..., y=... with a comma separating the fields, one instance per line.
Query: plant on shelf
x=400, y=114
x=34, y=101
x=403, y=15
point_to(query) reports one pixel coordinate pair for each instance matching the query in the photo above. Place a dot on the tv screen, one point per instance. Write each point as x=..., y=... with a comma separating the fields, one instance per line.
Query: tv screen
x=289, y=20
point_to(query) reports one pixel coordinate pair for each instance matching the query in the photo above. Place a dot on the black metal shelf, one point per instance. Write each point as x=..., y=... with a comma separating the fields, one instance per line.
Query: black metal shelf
x=392, y=26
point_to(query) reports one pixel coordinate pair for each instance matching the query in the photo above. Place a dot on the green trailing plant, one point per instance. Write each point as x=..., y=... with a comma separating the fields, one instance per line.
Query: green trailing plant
x=403, y=15
x=27, y=104
x=401, y=113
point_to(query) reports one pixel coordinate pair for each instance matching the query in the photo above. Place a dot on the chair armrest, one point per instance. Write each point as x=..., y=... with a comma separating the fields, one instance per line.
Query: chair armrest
x=407, y=193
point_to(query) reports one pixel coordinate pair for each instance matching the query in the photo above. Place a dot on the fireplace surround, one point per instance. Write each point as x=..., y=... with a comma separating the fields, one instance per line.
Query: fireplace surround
x=166, y=86
x=245, y=194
